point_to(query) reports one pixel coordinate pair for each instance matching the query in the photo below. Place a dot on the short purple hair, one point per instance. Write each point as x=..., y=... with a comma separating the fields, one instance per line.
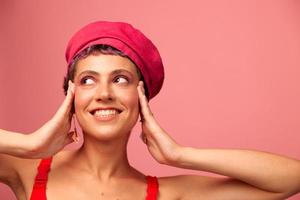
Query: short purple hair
x=93, y=50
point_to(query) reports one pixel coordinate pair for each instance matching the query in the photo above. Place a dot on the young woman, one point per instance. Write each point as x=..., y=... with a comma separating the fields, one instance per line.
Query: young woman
x=113, y=70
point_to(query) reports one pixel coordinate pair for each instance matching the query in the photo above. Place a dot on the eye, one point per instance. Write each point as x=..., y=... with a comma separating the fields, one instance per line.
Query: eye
x=121, y=79
x=87, y=80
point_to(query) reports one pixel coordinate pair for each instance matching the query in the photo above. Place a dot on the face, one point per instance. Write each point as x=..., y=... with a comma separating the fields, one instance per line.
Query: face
x=106, y=98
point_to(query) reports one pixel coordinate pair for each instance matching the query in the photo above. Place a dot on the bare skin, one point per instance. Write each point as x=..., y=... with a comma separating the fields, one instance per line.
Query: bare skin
x=100, y=169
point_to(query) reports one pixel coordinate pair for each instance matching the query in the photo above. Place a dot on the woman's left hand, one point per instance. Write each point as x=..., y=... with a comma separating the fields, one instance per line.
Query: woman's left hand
x=161, y=146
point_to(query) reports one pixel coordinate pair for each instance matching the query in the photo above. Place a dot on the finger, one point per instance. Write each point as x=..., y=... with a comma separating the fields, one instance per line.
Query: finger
x=145, y=108
x=65, y=109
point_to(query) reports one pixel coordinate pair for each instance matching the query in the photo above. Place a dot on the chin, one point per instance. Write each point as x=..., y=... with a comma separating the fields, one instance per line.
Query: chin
x=107, y=133
x=107, y=129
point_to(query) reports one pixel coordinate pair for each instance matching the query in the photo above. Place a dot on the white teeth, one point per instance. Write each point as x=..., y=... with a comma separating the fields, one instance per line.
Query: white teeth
x=105, y=113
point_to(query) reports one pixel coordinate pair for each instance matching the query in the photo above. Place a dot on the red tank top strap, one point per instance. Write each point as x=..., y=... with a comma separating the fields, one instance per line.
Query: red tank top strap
x=152, y=188
x=40, y=182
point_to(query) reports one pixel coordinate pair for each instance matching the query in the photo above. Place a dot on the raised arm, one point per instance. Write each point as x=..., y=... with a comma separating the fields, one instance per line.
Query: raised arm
x=268, y=172
x=263, y=175
x=44, y=142
x=14, y=144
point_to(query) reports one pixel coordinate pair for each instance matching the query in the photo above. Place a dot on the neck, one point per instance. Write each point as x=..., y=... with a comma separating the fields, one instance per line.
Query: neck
x=106, y=159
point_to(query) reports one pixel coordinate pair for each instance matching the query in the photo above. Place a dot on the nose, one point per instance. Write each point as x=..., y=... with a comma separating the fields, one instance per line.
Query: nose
x=104, y=92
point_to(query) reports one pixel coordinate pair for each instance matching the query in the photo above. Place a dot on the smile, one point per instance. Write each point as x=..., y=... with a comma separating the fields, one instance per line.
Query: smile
x=105, y=114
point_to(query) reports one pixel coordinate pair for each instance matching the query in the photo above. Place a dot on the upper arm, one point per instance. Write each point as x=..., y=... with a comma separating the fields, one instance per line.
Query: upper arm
x=199, y=187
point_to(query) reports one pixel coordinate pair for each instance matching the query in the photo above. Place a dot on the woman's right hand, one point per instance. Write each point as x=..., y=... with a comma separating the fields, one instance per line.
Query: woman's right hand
x=54, y=135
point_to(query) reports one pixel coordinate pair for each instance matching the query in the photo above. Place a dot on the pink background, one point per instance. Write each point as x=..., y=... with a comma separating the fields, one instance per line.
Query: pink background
x=232, y=69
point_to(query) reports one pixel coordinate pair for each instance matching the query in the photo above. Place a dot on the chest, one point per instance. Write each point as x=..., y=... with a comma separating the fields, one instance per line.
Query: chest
x=77, y=190
x=93, y=190
x=73, y=186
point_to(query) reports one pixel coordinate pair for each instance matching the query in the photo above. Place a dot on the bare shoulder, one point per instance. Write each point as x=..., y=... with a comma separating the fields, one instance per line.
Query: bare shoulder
x=11, y=167
x=194, y=187
x=19, y=173
x=176, y=187
x=14, y=169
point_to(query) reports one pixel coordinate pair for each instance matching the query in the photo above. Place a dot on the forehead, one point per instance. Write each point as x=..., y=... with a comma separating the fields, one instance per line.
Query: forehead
x=105, y=64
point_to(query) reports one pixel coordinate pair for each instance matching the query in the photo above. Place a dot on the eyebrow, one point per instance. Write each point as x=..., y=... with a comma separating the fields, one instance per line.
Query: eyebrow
x=117, y=71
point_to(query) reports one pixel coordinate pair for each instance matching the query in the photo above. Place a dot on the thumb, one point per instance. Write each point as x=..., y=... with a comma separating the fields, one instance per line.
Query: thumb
x=64, y=111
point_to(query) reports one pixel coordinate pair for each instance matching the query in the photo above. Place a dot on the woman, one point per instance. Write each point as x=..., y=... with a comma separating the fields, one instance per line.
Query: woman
x=113, y=70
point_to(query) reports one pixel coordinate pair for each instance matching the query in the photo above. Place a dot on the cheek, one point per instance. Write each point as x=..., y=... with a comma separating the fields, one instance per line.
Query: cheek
x=82, y=98
x=130, y=99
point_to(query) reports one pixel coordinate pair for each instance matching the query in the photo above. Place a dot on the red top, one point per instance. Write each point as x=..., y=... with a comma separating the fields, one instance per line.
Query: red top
x=39, y=187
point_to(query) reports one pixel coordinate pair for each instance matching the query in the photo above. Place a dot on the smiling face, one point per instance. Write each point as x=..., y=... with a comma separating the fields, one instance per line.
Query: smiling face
x=106, y=98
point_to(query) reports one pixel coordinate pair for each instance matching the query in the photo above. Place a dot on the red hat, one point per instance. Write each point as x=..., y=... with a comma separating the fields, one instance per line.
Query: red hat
x=127, y=39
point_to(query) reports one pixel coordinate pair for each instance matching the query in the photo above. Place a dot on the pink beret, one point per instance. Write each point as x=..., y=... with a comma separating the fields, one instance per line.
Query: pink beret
x=127, y=39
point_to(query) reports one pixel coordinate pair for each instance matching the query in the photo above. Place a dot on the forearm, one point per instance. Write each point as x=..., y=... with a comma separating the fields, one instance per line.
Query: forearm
x=14, y=144
x=262, y=170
